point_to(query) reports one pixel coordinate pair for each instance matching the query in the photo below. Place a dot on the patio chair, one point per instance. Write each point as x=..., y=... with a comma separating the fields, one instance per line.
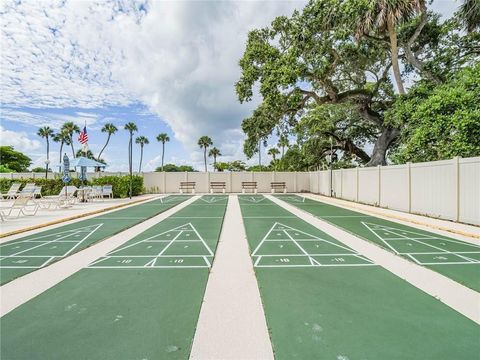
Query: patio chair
x=107, y=191
x=22, y=205
x=64, y=198
x=37, y=192
x=97, y=192
x=10, y=194
x=28, y=190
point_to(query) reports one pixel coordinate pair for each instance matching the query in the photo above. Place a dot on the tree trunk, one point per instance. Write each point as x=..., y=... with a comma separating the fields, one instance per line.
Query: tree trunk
x=163, y=153
x=130, y=161
x=349, y=147
x=71, y=144
x=61, y=148
x=214, y=162
x=46, y=163
x=382, y=144
x=108, y=139
x=260, y=154
x=394, y=49
x=205, y=157
x=141, y=158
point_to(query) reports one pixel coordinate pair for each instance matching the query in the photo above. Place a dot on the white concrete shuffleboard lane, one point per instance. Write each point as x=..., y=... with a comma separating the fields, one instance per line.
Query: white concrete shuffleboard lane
x=232, y=322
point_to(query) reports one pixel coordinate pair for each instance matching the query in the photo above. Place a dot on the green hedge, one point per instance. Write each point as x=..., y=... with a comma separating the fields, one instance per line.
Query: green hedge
x=120, y=184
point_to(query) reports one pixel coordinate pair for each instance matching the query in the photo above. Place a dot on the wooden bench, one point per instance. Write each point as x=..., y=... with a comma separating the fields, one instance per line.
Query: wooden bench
x=217, y=185
x=279, y=185
x=187, y=185
x=249, y=185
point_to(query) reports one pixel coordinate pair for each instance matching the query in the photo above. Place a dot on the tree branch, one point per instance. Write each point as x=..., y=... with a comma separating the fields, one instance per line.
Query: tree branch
x=410, y=56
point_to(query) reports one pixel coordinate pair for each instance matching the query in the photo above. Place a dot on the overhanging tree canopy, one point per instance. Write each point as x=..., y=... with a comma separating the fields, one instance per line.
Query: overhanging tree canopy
x=317, y=57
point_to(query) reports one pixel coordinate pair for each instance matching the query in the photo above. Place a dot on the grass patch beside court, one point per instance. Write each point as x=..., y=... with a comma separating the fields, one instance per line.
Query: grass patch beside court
x=323, y=300
x=453, y=258
x=141, y=301
x=29, y=253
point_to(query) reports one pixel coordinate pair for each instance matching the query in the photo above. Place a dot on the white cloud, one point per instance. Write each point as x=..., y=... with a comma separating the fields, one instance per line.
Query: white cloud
x=190, y=65
x=54, y=120
x=180, y=59
x=19, y=140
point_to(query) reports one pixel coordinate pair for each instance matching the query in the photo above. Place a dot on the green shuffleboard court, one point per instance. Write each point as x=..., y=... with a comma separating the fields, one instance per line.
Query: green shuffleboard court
x=29, y=253
x=453, y=258
x=141, y=301
x=322, y=300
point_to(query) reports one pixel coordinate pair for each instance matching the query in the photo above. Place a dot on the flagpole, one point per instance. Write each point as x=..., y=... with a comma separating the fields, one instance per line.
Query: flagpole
x=84, y=147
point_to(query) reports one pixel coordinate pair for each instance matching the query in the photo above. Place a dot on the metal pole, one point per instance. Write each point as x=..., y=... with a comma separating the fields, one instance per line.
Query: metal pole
x=131, y=165
x=331, y=166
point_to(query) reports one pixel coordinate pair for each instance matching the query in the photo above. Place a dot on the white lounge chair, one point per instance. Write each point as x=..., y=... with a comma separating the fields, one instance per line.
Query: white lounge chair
x=14, y=189
x=96, y=192
x=107, y=190
x=37, y=192
x=28, y=190
x=22, y=205
x=65, y=198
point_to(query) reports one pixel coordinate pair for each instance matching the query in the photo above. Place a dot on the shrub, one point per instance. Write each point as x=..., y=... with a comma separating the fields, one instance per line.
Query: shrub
x=120, y=184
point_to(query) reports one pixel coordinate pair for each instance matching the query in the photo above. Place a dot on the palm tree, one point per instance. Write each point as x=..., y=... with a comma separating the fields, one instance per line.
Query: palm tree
x=386, y=15
x=204, y=142
x=273, y=152
x=214, y=152
x=469, y=15
x=131, y=128
x=88, y=154
x=46, y=132
x=110, y=129
x=69, y=128
x=260, y=140
x=163, y=138
x=283, y=143
x=142, y=140
x=63, y=139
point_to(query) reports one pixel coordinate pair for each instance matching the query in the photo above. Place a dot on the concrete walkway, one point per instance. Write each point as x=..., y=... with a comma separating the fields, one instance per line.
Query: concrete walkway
x=57, y=215
x=460, y=298
x=19, y=291
x=232, y=323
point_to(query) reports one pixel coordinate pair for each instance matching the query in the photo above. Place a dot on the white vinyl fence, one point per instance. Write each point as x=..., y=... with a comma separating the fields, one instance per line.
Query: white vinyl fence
x=448, y=189
x=168, y=182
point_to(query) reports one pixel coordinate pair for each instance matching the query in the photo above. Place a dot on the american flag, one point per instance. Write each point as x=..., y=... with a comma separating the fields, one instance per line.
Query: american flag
x=83, y=137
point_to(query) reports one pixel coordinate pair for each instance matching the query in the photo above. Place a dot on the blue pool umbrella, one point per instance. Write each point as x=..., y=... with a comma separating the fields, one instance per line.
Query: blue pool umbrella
x=66, y=172
x=86, y=162
x=66, y=169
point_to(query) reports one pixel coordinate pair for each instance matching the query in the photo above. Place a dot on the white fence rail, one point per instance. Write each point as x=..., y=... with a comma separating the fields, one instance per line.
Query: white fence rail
x=448, y=189
x=159, y=182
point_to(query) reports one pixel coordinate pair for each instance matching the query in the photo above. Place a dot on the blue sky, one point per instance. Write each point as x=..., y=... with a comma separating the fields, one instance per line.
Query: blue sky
x=168, y=66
